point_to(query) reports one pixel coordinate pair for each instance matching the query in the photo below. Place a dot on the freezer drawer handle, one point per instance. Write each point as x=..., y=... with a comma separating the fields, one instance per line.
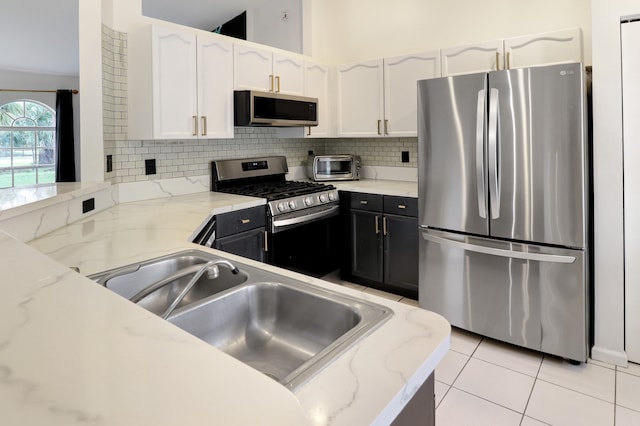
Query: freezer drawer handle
x=538, y=257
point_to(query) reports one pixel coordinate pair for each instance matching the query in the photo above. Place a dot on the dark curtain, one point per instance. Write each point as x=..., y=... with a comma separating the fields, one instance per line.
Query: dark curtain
x=66, y=162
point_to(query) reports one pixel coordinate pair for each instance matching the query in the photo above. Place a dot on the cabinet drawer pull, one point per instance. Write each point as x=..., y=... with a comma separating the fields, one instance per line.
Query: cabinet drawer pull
x=384, y=225
x=195, y=125
x=377, y=224
x=364, y=202
x=245, y=221
x=402, y=206
x=266, y=243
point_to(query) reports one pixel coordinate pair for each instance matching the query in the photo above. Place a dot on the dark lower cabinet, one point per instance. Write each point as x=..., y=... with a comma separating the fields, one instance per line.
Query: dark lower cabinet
x=421, y=409
x=248, y=244
x=242, y=232
x=382, y=242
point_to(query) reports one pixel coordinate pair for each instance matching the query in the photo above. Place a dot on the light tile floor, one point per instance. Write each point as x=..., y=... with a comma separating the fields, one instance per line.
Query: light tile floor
x=485, y=382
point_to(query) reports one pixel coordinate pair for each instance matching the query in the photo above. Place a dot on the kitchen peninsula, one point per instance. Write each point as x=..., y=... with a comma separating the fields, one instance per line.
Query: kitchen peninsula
x=73, y=352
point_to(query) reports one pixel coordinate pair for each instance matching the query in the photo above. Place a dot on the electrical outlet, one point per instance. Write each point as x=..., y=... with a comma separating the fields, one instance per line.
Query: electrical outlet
x=88, y=205
x=109, y=163
x=405, y=156
x=150, y=166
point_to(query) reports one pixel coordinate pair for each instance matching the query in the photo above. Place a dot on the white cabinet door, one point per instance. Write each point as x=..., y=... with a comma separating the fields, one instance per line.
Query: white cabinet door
x=288, y=72
x=544, y=49
x=631, y=133
x=174, y=83
x=252, y=68
x=473, y=58
x=316, y=85
x=360, y=99
x=215, y=88
x=401, y=74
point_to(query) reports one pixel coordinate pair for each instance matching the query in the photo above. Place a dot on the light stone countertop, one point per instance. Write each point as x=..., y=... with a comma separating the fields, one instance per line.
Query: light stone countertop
x=378, y=186
x=72, y=352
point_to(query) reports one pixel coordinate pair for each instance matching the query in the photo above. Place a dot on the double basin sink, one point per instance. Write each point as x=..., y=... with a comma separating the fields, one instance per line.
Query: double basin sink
x=284, y=328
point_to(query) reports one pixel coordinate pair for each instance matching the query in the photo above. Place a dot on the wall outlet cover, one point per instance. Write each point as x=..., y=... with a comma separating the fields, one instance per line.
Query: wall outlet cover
x=150, y=166
x=405, y=156
x=88, y=205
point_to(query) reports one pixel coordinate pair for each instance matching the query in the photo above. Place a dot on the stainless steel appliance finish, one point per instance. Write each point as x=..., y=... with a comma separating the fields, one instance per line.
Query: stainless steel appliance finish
x=290, y=205
x=504, y=205
x=333, y=167
x=253, y=108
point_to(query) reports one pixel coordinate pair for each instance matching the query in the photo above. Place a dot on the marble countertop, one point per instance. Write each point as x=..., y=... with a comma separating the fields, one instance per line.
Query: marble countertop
x=378, y=186
x=72, y=352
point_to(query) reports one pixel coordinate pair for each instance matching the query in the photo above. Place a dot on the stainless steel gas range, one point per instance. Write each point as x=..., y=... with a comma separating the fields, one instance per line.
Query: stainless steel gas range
x=301, y=216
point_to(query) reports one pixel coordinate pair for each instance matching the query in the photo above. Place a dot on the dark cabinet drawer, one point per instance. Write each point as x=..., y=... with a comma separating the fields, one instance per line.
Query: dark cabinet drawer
x=240, y=221
x=404, y=206
x=370, y=202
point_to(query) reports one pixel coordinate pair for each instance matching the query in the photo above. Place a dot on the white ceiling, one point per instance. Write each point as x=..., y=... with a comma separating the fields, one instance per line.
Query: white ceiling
x=41, y=36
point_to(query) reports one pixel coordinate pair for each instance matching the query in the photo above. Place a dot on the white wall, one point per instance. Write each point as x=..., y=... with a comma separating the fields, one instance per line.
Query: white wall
x=608, y=156
x=266, y=26
x=33, y=81
x=362, y=29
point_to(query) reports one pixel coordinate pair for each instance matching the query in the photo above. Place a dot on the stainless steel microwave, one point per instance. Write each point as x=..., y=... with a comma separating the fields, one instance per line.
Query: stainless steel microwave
x=253, y=108
x=333, y=167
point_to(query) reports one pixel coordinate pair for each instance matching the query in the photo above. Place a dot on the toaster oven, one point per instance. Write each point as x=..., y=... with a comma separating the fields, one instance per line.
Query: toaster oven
x=333, y=167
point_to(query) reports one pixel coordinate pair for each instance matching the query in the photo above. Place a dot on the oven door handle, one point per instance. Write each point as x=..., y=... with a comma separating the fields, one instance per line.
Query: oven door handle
x=332, y=211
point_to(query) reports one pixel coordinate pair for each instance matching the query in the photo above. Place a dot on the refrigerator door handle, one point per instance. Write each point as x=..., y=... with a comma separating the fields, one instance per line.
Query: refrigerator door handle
x=494, y=141
x=538, y=257
x=480, y=119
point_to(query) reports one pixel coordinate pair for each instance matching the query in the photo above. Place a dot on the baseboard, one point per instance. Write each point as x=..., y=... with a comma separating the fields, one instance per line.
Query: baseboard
x=609, y=356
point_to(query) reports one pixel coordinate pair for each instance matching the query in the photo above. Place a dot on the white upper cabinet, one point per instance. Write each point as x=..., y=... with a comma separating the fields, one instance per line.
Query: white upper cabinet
x=548, y=48
x=317, y=83
x=267, y=71
x=360, y=98
x=401, y=74
x=539, y=49
x=473, y=58
x=189, y=94
x=379, y=97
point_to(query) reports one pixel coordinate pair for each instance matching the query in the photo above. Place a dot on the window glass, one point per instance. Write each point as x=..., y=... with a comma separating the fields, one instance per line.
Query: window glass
x=27, y=144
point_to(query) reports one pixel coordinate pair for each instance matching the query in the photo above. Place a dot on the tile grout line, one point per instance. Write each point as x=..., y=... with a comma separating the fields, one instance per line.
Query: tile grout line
x=535, y=380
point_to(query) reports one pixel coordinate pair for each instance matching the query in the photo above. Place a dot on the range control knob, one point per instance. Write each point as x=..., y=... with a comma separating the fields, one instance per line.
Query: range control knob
x=332, y=196
x=282, y=207
x=308, y=201
x=323, y=198
x=292, y=204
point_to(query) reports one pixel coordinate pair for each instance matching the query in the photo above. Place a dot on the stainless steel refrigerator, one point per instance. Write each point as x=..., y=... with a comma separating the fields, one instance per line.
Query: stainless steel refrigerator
x=504, y=205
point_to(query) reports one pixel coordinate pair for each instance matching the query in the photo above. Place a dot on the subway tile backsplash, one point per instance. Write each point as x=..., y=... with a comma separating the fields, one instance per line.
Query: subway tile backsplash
x=192, y=157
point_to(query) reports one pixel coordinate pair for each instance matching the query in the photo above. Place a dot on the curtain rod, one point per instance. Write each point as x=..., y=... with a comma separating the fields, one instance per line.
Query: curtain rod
x=74, y=91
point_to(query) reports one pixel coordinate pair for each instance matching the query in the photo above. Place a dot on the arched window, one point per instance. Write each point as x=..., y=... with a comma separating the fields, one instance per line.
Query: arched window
x=27, y=143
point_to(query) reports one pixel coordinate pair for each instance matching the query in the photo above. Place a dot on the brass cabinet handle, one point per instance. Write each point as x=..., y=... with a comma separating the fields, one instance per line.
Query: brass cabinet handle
x=364, y=202
x=195, y=125
x=386, y=127
x=245, y=221
x=309, y=132
x=497, y=61
x=508, y=60
x=204, y=125
x=266, y=243
x=271, y=82
x=379, y=121
x=277, y=84
x=377, y=224
x=402, y=206
x=384, y=225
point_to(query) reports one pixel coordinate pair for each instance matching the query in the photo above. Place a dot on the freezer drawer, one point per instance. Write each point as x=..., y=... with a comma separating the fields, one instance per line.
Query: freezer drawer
x=527, y=295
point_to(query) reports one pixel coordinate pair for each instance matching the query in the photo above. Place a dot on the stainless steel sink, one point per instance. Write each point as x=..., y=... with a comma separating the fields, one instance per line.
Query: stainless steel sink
x=131, y=280
x=286, y=331
x=280, y=326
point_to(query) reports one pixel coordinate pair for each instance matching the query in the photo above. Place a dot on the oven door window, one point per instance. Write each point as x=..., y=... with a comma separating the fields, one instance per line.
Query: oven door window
x=334, y=167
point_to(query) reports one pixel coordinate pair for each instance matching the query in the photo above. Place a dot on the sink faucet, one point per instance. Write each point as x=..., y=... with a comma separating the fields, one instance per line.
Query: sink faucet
x=211, y=268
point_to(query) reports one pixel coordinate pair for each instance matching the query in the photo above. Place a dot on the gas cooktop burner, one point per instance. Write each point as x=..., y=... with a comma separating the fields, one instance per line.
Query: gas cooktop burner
x=265, y=178
x=278, y=190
